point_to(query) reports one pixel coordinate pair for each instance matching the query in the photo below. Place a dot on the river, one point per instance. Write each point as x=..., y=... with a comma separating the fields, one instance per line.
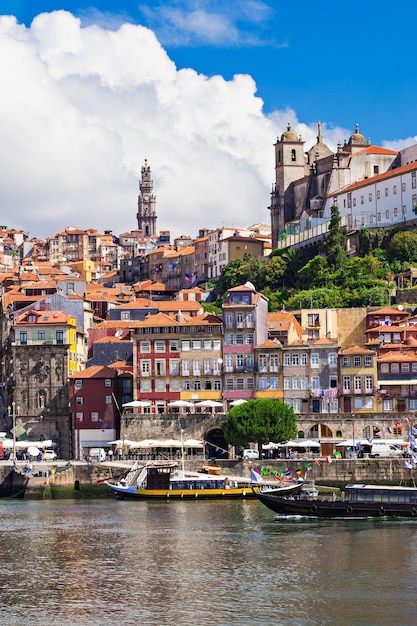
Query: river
x=102, y=562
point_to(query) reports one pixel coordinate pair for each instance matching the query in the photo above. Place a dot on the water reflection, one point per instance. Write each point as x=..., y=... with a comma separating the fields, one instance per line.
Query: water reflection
x=199, y=563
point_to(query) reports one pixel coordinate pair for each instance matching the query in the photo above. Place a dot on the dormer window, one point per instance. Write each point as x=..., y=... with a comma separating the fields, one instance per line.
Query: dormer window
x=32, y=319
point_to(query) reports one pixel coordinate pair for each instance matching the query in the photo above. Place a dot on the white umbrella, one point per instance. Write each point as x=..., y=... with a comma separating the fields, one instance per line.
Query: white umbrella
x=33, y=451
x=137, y=404
x=180, y=403
x=193, y=443
x=209, y=403
x=124, y=442
x=237, y=402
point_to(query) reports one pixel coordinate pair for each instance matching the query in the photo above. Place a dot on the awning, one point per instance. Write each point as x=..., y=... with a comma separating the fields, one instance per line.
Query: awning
x=403, y=383
x=88, y=443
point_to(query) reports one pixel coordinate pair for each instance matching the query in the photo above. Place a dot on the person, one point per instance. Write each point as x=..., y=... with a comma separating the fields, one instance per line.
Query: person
x=120, y=454
x=110, y=454
x=226, y=484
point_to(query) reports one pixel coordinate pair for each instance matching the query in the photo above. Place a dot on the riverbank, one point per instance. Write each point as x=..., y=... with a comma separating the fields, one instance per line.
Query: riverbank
x=79, y=479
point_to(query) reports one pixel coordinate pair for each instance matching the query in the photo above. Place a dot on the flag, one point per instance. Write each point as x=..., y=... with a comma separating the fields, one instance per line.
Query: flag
x=309, y=468
x=318, y=462
x=389, y=429
x=398, y=424
x=288, y=474
x=407, y=419
x=408, y=465
x=413, y=430
x=328, y=459
x=299, y=472
x=255, y=476
x=338, y=454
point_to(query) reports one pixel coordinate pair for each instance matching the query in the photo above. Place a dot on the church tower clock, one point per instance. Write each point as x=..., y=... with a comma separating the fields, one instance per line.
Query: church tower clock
x=146, y=214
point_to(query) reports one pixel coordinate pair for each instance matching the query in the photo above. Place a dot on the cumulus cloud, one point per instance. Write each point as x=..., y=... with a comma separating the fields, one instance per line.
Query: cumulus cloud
x=81, y=109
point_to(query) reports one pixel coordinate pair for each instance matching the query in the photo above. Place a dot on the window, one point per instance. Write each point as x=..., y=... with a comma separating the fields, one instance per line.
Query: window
x=207, y=344
x=357, y=361
x=413, y=405
x=78, y=384
x=108, y=399
x=332, y=359
x=296, y=383
x=386, y=192
x=293, y=155
x=23, y=338
x=405, y=367
x=145, y=368
x=160, y=384
x=196, y=344
x=159, y=367
x=197, y=385
x=333, y=382
x=295, y=359
x=413, y=180
x=239, y=339
x=395, y=368
x=94, y=416
x=229, y=320
x=145, y=346
x=186, y=385
x=304, y=359
x=145, y=385
x=250, y=339
x=370, y=197
x=369, y=384
x=402, y=186
x=287, y=358
x=394, y=189
x=368, y=360
x=274, y=363
x=250, y=320
x=107, y=382
x=174, y=385
x=217, y=385
x=387, y=404
x=79, y=400
x=346, y=361
x=159, y=346
x=41, y=335
x=79, y=417
x=274, y=382
x=287, y=382
x=250, y=383
x=228, y=339
x=185, y=346
x=229, y=384
x=174, y=367
x=387, y=215
x=376, y=169
x=173, y=346
x=239, y=383
x=239, y=319
x=346, y=384
x=315, y=360
x=315, y=382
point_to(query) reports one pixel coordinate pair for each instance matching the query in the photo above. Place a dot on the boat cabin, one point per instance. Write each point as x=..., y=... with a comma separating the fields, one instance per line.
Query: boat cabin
x=382, y=493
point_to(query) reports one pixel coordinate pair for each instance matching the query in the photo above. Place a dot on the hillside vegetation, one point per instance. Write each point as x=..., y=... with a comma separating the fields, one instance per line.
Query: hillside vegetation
x=326, y=276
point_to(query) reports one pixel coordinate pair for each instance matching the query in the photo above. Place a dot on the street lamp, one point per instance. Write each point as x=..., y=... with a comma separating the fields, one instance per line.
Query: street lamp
x=13, y=413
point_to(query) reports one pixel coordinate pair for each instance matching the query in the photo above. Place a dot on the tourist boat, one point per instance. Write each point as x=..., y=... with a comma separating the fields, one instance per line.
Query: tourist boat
x=13, y=484
x=165, y=480
x=356, y=501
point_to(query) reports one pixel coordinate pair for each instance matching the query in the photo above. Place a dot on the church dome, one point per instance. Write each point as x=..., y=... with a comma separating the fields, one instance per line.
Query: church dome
x=357, y=139
x=289, y=134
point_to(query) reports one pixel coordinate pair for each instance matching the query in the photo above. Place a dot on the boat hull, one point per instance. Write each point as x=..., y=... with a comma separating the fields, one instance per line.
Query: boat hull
x=311, y=507
x=13, y=485
x=130, y=493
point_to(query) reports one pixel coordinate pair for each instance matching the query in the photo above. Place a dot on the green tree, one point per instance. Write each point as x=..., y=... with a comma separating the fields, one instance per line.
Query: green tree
x=260, y=420
x=313, y=273
x=403, y=247
x=334, y=246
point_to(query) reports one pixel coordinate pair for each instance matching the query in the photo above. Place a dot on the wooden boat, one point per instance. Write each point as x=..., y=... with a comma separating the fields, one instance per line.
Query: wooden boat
x=13, y=484
x=357, y=501
x=164, y=480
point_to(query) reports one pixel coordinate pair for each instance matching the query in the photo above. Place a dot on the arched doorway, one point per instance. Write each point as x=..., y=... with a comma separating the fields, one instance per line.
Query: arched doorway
x=215, y=446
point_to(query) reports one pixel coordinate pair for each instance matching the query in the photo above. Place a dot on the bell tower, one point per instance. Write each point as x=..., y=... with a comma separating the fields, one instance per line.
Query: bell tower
x=146, y=214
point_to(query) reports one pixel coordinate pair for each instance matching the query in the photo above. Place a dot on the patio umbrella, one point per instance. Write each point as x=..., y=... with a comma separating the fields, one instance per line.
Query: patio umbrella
x=193, y=443
x=180, y=403
x=209, y=403
x=237, y=402
x=33, y=451
x=137, y=404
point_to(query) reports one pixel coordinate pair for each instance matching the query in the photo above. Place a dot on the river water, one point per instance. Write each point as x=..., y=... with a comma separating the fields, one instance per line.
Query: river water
x=105, y=562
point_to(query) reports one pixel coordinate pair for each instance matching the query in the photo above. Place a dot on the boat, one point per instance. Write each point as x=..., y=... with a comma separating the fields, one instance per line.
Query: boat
x=356, y=501
x=13, y=484
x=166, y=481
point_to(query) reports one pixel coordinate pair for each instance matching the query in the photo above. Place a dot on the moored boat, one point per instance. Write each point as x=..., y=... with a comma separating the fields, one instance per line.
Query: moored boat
x=164, y=480
x=13, y=484
x=356, y=501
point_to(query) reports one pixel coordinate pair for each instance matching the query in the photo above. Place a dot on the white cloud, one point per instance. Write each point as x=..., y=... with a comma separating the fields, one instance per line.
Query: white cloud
x=82, y=108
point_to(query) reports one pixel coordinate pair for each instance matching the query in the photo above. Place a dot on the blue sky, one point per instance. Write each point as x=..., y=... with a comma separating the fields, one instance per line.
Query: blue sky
x=249, y=66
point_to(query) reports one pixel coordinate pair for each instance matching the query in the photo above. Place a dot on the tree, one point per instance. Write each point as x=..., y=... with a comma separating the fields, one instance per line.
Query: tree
x=403, y=246
x=335, y=244
x=260, y=420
